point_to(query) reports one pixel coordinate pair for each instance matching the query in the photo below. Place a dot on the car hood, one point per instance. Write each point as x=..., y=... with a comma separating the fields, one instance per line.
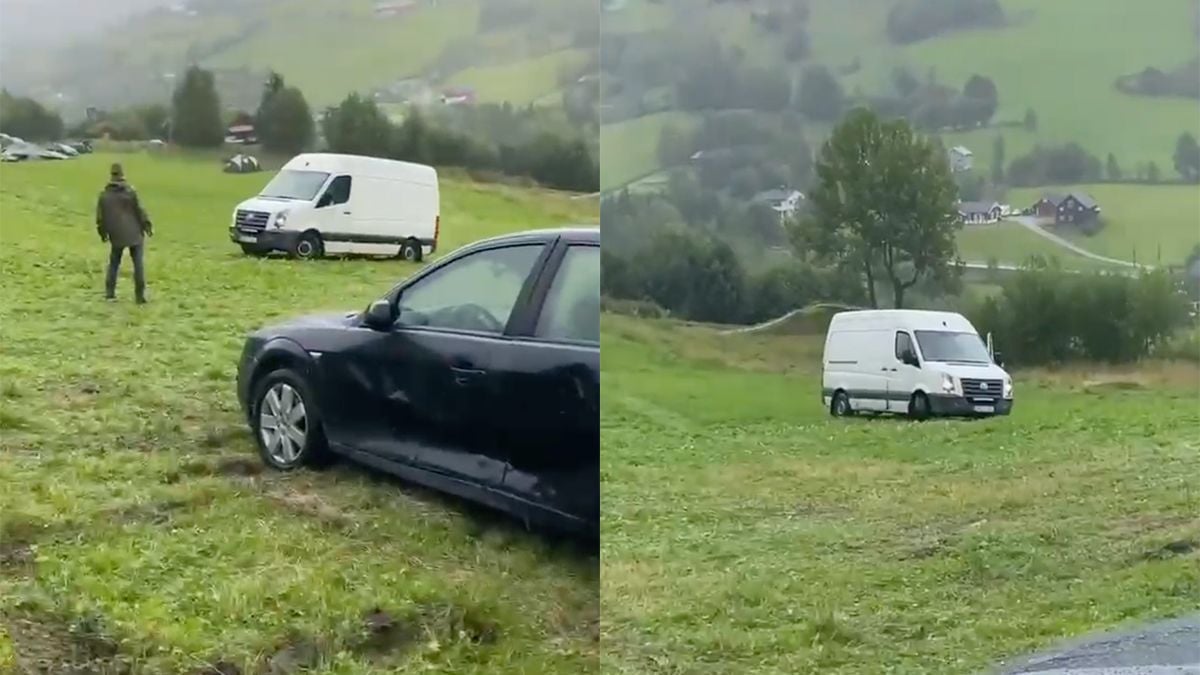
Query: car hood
x=323, y=320
x=982, y=371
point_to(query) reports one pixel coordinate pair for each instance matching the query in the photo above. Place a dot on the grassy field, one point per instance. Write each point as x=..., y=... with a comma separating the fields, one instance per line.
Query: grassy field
x=1140, y=220
x=746, y=531
x=368, y=51
x=1012, y=244
x=629, y=149
x=520, y=82
x=1029, y=62
x=136, y=523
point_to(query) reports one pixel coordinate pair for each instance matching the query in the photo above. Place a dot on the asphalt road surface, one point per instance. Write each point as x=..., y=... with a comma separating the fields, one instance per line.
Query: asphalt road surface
x=1164, y=648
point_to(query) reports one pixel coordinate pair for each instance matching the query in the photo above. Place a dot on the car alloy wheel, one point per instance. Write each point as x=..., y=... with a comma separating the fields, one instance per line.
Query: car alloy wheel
x=283, y=424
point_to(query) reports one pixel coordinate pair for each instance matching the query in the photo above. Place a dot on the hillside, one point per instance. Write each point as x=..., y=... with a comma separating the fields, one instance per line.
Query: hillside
x=1060, y=59
x=328, y=49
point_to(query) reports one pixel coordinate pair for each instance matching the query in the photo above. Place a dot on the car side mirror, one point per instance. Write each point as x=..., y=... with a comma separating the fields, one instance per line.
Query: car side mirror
x=381, y=315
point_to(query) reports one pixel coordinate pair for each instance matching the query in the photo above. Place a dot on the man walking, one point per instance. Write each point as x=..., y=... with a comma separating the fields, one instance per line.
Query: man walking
x=122, y=222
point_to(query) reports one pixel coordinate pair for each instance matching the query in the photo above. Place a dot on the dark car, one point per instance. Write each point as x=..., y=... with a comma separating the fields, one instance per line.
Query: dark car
x=479, y=376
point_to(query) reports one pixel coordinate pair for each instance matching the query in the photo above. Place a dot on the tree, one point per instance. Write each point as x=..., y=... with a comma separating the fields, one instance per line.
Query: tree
x=798, y=45
x=998, y=159
x=1031, y=120
x=884, y=200
x=196, y=113
x=357, y=127
x=1112, y=168
x=26, y=118
x=821, y=97
x=983, y=91
x=1153, y=173
x=905, y=83
x=285, y=122
x=1187, y=157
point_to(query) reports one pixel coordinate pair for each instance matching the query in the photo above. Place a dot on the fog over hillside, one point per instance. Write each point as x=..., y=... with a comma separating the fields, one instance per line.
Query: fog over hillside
x=24, y=23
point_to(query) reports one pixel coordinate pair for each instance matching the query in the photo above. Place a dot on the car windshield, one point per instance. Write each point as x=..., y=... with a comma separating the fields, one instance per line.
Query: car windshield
x=946, y=346
x=289, y=184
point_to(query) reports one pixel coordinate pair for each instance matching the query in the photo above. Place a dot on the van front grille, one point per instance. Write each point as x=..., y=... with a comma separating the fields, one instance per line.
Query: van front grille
x=990, y=389
x=252, y=220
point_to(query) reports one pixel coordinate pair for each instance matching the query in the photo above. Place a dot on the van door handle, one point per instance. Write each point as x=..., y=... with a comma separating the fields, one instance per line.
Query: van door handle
x=345, y=213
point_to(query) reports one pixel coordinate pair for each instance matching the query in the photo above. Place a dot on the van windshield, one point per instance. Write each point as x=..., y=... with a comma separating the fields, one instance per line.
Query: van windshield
x=291, y=184
x=950, y=347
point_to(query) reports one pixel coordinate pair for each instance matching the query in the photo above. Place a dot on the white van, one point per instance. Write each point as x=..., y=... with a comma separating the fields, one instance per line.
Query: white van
x=911, y=362
x=326, y=203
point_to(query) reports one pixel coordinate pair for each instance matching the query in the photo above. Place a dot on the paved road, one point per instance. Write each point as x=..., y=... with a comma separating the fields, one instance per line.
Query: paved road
x=1164, y=648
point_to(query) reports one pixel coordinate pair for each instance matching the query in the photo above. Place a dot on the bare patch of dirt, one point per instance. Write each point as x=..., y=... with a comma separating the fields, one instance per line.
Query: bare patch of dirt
x=46, y=645
x=1173, y=549
x=385, y=634
x=218, y=668
x=18, y=540
x=297, y=654
x=216, y=438
x=312, y=506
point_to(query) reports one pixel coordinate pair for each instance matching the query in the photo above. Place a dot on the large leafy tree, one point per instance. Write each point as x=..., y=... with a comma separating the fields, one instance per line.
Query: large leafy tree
x=285, y=122
x=885, y=203
x=358, y=127
x=196, y=113
x=1187, y=157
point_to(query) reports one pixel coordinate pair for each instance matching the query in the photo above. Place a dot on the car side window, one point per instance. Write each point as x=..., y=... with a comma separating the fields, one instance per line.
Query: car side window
x=904, y=346
x=572, y=308
x=338, y=192
x=475, y=293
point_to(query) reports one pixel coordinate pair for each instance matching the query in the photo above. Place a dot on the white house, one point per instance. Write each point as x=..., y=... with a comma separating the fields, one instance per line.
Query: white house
x=979, y=213
x=783, y=201
x=961, y=159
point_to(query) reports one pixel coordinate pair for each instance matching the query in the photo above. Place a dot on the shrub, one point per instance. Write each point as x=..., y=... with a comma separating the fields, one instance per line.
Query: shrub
x=1046, y=315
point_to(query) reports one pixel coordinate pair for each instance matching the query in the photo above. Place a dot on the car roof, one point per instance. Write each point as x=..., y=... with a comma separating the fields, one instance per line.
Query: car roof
x=583, y=234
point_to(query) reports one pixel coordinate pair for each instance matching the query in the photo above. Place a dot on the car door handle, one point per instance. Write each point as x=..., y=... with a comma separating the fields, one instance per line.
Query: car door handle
x=466, y=376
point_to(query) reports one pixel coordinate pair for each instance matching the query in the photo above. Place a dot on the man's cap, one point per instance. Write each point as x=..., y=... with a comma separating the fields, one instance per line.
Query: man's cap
x=116, y=171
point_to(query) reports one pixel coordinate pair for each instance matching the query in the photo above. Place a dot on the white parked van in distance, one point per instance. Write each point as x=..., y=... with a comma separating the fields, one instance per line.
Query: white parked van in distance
x=911, y=362
x=337, y=204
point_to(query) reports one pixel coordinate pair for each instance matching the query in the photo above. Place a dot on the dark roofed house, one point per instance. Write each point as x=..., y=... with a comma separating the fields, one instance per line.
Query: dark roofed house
x=979, y=213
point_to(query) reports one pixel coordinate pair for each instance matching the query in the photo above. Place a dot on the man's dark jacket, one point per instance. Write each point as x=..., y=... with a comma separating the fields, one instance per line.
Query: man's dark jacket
x=120, y=217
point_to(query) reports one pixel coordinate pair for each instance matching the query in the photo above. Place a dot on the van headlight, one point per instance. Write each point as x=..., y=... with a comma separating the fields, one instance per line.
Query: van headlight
x=947, y=383
x=1008, y=387
x=281, y=219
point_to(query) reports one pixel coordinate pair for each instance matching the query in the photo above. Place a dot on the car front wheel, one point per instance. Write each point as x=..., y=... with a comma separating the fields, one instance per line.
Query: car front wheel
x=287, y=423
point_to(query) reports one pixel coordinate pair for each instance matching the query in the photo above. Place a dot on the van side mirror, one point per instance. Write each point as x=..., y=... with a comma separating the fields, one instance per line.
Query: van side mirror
x=381, y=315
x=910, y=359
x=325, y=200
x=998, y=359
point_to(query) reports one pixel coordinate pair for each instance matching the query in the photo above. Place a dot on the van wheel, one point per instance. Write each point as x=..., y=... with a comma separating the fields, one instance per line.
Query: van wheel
x=410, y=250
x=918, y=406
x=840, y=405
x=308, y=246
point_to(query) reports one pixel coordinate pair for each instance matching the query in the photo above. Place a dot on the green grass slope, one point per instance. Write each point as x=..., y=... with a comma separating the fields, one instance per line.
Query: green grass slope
x=1060, y=59
x=746, y=531
x=134, y=505
x=360, y=51
x=629, y=149
x=521, y=82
